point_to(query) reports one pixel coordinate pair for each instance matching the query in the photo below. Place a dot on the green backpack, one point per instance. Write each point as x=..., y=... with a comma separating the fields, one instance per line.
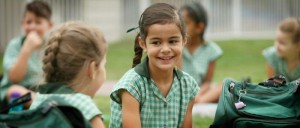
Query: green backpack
x=52, y=113
x=270, y=104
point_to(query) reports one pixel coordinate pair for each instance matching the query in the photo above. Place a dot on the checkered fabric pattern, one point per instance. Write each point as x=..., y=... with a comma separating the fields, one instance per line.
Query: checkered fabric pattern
x=80, y=101
x=197, y=64
x=156, y=110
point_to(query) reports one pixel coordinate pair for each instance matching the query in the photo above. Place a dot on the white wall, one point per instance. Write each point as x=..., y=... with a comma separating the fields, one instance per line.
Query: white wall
x=106, y=15
x=11, y=14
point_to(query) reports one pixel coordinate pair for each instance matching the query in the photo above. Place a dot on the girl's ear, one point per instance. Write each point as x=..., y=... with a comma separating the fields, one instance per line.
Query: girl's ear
x=184, y=40
x=92, y=70
x=142, y=44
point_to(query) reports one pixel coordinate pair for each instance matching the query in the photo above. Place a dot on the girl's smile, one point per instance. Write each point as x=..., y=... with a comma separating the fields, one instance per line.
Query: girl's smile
x=166, y=59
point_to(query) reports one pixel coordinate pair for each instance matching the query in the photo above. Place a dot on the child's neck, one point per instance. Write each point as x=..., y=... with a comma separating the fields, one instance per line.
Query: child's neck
x=292, y=61
x=163, y=79
x=194, y=43
x=82, y=89
x=293, y=58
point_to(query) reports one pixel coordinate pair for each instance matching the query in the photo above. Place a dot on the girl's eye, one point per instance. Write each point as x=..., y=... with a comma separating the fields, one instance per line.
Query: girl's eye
x=173, y=42
x=29, y=22
x=38, y=21
x=281, y=42
x=155, y=42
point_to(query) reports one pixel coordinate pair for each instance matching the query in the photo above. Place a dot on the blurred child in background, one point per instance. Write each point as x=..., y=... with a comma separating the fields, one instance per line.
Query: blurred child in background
x=199, y=55
x=22, y=58
x=284, y=57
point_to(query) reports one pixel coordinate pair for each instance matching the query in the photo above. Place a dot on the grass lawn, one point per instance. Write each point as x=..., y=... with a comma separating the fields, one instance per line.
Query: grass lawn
x=241, y=58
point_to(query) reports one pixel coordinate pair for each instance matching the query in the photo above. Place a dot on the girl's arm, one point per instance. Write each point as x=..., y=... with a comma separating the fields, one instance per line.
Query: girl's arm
x=96, y=122
x=130, y=111
x=208, y=78
x=270, y=71
x=187, y=122
x=19, y=69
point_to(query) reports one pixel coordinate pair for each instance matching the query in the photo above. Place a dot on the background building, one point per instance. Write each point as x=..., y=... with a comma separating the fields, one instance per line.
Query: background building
x=227, y=18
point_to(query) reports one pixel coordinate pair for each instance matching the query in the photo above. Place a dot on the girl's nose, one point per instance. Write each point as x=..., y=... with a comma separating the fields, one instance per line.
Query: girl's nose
x=165, y=48
x=32, y=26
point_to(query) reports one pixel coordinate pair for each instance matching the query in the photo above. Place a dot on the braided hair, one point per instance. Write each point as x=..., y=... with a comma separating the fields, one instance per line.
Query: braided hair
x=70, y=49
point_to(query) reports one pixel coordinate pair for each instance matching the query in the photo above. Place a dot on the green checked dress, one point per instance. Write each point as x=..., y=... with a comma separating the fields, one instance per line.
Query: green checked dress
x=80, y=101
x=197, y=64
x=155, y=109
x=279, y=65
x=34, y=72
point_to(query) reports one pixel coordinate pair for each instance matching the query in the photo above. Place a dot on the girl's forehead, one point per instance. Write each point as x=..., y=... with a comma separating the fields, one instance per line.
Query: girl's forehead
x=29, y=14
x=163, y=30
x=283, y=36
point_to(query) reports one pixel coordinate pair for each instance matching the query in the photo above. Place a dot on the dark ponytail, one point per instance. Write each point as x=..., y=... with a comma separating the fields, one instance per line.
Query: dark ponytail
x=138, y=51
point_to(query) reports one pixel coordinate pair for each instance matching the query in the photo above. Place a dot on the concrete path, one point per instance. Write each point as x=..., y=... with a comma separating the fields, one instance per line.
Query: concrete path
x=106, y=88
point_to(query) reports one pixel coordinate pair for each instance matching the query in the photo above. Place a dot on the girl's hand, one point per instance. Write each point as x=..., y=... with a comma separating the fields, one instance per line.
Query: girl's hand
x=22, y=91
x=33, y=41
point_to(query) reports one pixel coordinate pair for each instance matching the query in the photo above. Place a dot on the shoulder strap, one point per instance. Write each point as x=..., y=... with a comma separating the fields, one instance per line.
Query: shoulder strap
x=22, y=41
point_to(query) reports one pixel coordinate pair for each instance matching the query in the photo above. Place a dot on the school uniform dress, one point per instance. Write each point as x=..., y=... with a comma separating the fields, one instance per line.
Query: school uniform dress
x=80, y=101
x=279, y=64
x=34, y=73
x=197, y=64
x=155, y=109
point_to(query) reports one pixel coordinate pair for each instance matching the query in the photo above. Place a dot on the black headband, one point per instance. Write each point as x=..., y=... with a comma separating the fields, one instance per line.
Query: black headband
x=131, y=29
x=140, y=24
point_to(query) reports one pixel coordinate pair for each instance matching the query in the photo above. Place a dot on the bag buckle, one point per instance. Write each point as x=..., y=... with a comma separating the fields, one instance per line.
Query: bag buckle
x=297, y=83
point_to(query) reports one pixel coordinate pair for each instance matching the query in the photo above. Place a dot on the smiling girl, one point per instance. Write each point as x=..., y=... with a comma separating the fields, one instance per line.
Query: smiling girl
x=155, y=93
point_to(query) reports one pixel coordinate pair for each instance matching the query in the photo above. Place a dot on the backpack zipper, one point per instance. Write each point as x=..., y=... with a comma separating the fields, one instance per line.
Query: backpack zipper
x=285, y=121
